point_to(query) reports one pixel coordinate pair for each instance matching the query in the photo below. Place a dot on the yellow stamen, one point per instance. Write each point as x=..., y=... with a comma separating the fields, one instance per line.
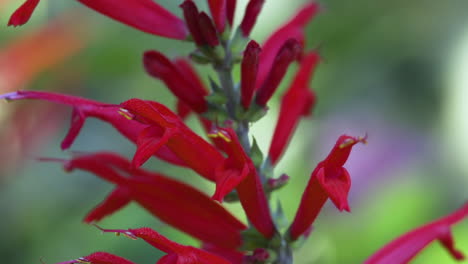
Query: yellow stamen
x=219, y=134
x=125, y=113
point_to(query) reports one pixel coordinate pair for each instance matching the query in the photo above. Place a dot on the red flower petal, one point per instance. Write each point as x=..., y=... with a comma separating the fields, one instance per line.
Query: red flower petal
x=116, y=200
x=328, y=180
x=292, y=29
x=185, y=254
x=208, y=30
x=165, y=198
x=218, y=12
x=145, y=15
x=296, y=102
x=191, y=18
x=250, y=17
x=179, y=77
x=100, y=258
x=230, y=10
x=407, y=246
x=198, y=154
x=246, y=180
x=23, y=13
x=289, y=52
x=249, y=71
x=84, y=108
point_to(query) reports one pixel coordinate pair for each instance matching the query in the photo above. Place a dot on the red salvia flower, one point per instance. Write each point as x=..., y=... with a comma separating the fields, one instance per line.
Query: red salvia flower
x=239, y=170
x=297, y=101
x=208, y=30
x=405, y=247
x=84, y=108
x=176, y=253
x=198, y=154
x=292, y=29
x=230, y=10
x=250, y=17
x=99, y=258
x=165, y=198
x=192, y=20
x=144, y=15
x=249, y=69
x=218, y=12
x=179, y=77
x=289, y=52
x=328, y=180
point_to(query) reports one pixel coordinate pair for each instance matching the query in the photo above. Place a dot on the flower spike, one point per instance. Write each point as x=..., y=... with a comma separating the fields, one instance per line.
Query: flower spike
x=328, y=180
x=405, y=247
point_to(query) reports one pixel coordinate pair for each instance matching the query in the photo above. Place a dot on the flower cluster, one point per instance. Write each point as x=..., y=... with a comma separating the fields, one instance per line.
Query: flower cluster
x=229, y=158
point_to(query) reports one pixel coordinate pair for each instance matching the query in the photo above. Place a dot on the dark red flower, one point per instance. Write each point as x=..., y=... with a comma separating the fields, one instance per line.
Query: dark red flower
x=167, y=199
x=84, y=108
x=297, y=101
x=179, y=77
x=250, y=17
x=230, y=10
x=405, y=247
x=328, y=180
x=99, y=258
x=239, y=172
x=249, y=69
x=191, y=18
x=288, y=53
x=144, y=15
x=218, y=12
x=294, y=28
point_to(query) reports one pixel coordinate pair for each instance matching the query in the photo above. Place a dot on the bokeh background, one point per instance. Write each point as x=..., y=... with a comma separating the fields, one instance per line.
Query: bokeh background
x=396, y=70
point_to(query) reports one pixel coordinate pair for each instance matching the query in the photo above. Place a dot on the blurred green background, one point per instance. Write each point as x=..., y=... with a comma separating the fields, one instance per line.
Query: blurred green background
x=396, y=70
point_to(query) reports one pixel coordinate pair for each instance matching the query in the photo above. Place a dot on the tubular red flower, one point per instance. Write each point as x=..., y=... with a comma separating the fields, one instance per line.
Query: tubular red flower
x=84, y=108
x=191, y=18
x=99, y=258
x=250, y=17
x=328, y=180
x=239, y=172
x=179, y=77
x=297, y=101
x=23, y=13
x=165, y=198
x=249, y=70
x=208, y=30
x=144, y=15
x=198, y=154
x=289, y=52
x=218, y=12
x=177, y=253
x=405, y=247
x=294, y=28
x=230, y=10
